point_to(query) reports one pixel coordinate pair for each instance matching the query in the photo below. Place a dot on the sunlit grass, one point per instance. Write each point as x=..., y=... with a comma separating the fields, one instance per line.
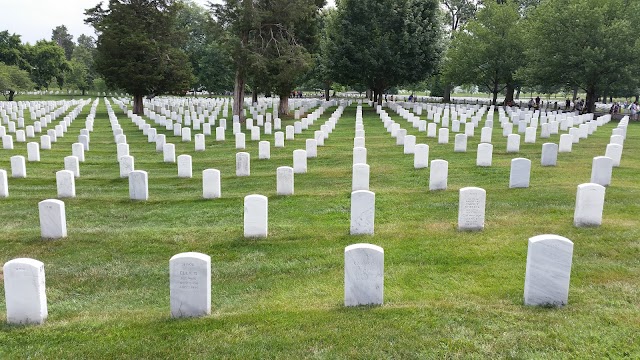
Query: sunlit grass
x=447, y=293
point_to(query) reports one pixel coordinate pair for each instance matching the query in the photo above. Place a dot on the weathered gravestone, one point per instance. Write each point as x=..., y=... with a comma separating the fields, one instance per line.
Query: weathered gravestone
x=548, y=271
x=601, y=170
x=53, y=219
x=363, y=210
x=360, y=177
x=126, y=166
x=65, y=183
x=359, y=155
x=243, y=164
x=589, y=205
x=460, y=143
x=614, y=151
x=184, y=166
x=256, y=212
x=520, y=173
x=471, y=208
x=484, y=157
x=284, y=180
x=363, y=275
x=549, y=154
x=299, y=161
x=421, y=156
x=264, y=150
x=25, y=291
x=138, y=185
x=18, y=167
x=190, y=285
x=4, y=184
x=438, y=174
x=211, y=184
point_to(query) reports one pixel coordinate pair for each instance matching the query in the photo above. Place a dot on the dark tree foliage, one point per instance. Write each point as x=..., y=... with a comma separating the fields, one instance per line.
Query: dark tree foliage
x=60, y=35
x=139, y=48
x=597, y=51
x=46, y=63
x=386, y=43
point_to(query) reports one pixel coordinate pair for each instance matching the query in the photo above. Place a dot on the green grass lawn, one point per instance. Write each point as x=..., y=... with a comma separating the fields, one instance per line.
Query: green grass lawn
x=448, y=294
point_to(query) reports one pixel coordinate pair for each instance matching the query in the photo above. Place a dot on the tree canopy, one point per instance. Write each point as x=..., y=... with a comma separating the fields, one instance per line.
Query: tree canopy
x=597, y=51
x=13, y=79
x=139, y=48
x=487, y=52
x=381, y=44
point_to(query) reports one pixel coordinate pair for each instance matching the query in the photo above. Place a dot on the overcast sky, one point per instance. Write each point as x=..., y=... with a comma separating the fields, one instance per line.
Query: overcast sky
x=33, y=20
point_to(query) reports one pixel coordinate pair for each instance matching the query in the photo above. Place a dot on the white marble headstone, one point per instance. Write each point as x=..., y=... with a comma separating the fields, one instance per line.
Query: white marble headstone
x=25, y=291
x=185, y=166
x=589, y=205
x=243, y=164
x=190, y=284
x=66, y=184
x=284, y=180
x=360, y=177
x=548, y=270
x=363, y=275
x=299, y=161
x=549, y=154
x=438, y=174
x=363, y=210
x=421, y=156
x=256, y=210
x=471, y=208
x=4, y=184
x=18, y=167
x=211, y=184
x=138, y=185
x=53, y=220
x=520, y=173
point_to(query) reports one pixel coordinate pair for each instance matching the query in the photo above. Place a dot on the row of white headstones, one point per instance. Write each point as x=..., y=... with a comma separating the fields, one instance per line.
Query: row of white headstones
x=472, y=200
x=548, y=271
x=546, y=280
x=52, y=213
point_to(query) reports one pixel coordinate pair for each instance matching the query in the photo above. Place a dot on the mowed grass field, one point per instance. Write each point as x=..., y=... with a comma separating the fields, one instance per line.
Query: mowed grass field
x=448, y=294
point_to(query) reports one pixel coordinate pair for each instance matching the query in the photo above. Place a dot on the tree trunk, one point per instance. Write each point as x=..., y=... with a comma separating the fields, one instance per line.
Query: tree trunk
x=592, y=97
x=369, y=94
x=238, y=94
x=376, y=94
x=11, y=94
x=575, y=93
x=283, y=107
x=83, y=91
x=495, y=94
x=509, y=94
x=379, y=100
x=327, y=90
x=138, y=109
x=446, y=97
x=254, y=96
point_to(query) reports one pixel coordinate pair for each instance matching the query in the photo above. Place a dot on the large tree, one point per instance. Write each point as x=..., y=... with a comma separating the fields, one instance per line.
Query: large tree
x=12, y=52
x=139, y=48
x=82, y=70
x=587, y=44
x=12, y=80
x=487, y=52
x=382, y=44
x=269, y=42
x=46, y=63
x=60, y=35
